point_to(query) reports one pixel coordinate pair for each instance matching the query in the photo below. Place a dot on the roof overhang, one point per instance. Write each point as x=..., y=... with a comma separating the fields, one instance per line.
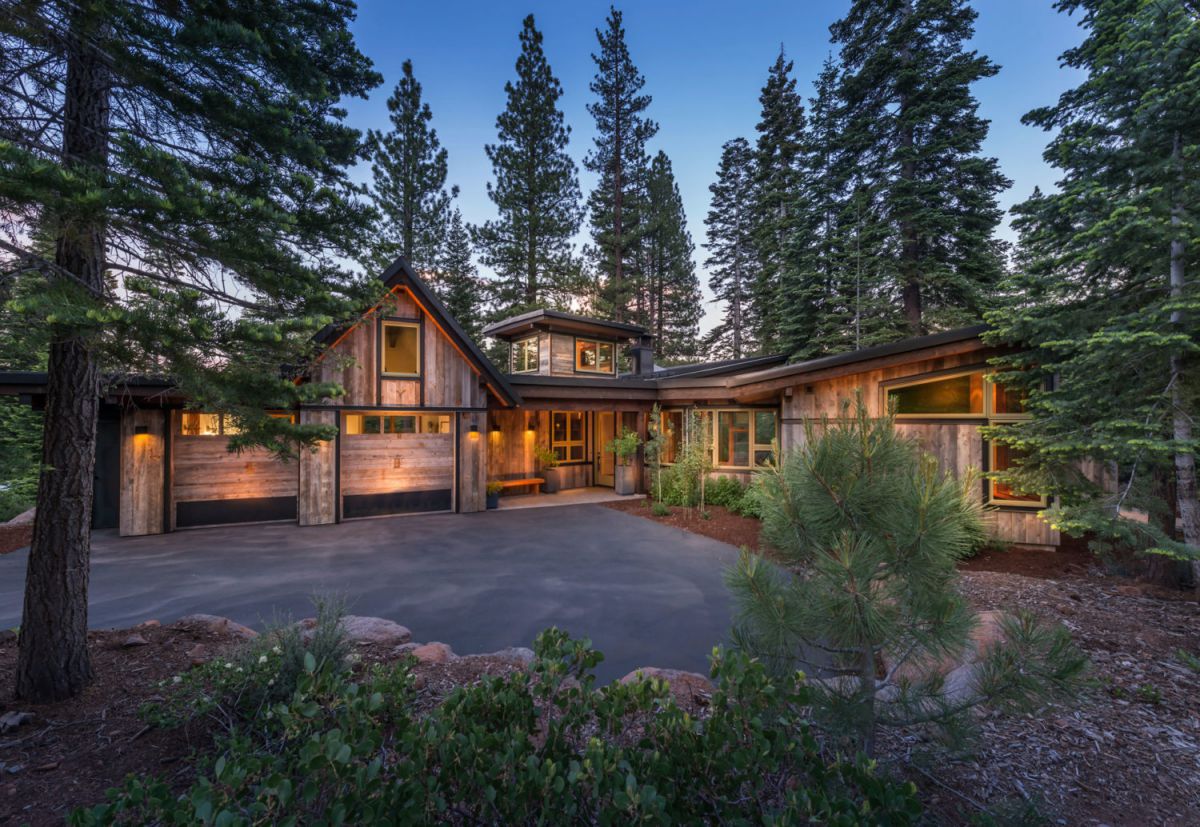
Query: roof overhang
x=560, y=322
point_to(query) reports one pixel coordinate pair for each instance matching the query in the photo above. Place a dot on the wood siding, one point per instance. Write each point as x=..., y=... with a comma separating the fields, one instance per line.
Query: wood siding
x=317, y=500
x=472, y=463
x=387, y=463
x=562, y=354
x=143, y=472
x=204, y=470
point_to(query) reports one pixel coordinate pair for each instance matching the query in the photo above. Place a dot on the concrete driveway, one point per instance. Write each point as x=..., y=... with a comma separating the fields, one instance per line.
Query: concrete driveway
x=646, y=594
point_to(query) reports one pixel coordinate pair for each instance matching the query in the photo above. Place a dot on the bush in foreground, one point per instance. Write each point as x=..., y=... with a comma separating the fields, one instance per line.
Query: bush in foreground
x=542, y=746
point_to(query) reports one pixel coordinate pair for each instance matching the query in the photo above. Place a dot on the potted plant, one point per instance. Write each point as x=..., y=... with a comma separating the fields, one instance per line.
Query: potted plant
x=493, y=493
x=625, y=447
x=548, y=460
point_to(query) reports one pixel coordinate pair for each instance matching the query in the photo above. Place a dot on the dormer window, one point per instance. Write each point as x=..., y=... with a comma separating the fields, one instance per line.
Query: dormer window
x=594, y=356
x=401, y=346
x=525, y=353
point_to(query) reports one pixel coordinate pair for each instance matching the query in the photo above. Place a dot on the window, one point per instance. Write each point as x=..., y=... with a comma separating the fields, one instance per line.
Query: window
x=764, y=437
x=743, y=437
x=593, y=356
x=566, y=435
x=194, y=423
x=357, y=424
x=733, y=438
x=960, y=395
x=1001, y=458
x=1007, y=404
x=401, y=349
x=525, y=354
x=671, y=428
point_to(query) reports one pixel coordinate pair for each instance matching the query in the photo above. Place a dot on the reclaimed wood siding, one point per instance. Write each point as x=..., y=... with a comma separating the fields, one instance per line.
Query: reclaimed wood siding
x=204, y=470
x=510, y=445
x=562, y=354
x=317, y=501
x=471, y=491
x=143, y=472
x=389, y=463
x=450, y=380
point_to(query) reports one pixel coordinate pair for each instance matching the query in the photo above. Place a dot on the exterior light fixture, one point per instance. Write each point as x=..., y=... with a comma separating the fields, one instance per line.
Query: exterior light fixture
x=473, y=431
x=141, y=430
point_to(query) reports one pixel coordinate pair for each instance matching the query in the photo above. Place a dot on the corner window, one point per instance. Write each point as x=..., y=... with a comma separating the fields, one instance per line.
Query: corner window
x=525, y=353
x=401, y=346
x=566, y=435
x=671, y=427
x=360, y=424
x=594, y=356
x=764, y=437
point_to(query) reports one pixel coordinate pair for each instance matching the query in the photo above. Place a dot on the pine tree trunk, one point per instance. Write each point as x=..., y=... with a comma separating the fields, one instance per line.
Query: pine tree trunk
x=1185, y=462
x=53, y=661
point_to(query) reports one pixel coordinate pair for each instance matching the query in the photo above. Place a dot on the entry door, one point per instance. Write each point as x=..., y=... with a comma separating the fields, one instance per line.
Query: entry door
x=605, y=430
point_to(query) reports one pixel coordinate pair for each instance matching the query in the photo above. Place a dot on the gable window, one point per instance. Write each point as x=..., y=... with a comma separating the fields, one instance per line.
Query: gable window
x=566, y=435
x=594, y=356
x=525, y=353
x=401, y=346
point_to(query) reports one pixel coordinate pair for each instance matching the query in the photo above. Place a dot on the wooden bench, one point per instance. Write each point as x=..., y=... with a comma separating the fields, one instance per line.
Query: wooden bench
x=520, y=483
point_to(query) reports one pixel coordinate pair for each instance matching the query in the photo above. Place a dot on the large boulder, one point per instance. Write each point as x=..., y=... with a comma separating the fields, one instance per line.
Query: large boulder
x=433, y=652
x=683, y=686
x=216, y=625
x=363, y=630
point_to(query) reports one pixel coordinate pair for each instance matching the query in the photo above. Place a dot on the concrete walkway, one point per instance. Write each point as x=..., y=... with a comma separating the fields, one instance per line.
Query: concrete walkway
x=646, y=594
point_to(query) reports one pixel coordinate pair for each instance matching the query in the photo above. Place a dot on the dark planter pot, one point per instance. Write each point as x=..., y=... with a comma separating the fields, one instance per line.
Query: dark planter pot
x=553, y=480
x=625, y=480
x=493, y=500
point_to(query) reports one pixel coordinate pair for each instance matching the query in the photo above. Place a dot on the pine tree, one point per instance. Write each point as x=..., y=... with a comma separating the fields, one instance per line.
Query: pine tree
x=779, y=196
x=408, y=165
x=161, y=165
x=870, y=532
x=911, y=127
x=457, y=281
x=617, y=205
x=1102, y=306
x=536, y=190
x=672, y=299
x=732, y=259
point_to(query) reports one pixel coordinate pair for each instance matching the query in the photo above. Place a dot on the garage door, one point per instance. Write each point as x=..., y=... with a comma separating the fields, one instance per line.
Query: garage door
x=396, y=463
x=211, y=486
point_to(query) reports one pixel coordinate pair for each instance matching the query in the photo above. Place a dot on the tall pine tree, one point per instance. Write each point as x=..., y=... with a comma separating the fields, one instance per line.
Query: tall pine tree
x=536, y=190
x=732, y=260
x=408, y=165
x=912, y=129
x=457, y=281
x=1105, y=304
x=779, y=196
x=617, y=205
x=161, y=167
x=672, y=298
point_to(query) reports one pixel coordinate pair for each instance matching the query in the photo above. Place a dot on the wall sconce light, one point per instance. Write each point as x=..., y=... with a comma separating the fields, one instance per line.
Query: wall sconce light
x=473, y=431
x=141, y=430
x=532, y=425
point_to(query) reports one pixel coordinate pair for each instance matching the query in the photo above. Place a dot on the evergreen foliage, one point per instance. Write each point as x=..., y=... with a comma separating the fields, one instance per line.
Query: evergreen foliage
x=1104, y=307
x=536, y=191
x=174, y=185
x=617, y=206
x=408, y=164
x=672, y=301
x=732, y=259
x=910, y=129
x=870, y=532
x=456, y=279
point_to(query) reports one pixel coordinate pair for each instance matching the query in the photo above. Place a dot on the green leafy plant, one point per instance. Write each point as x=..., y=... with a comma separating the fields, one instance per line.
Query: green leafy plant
x=871, y=530
x=543, y=746
x=494, y=487
x=1189, y=660
x=625, y=446
x=660, y=510
x=545, y=457
x=657, y=439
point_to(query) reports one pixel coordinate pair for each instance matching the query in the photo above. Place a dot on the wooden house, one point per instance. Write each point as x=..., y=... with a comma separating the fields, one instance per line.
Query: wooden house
x=427, y=420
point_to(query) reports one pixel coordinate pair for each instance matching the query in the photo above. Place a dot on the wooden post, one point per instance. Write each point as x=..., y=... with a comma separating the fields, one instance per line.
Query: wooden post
x=471, y=479
x=317, y=502
x=143, y=472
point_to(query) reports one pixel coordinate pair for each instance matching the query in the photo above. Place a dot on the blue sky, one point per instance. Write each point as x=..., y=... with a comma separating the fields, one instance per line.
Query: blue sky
x=704, y=64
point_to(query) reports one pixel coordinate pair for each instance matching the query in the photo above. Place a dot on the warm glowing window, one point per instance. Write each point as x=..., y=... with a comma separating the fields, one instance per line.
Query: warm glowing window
x=737, y=438
x=357, y=424
x=1007, y=403
x=764, y=437
x=194, y=423
x=566, y=435
x=594, y=356
x=1003, y=457
x=671, y=428
x=525, y=355
x=401, y=349
x=733, y=438
x=960, y=395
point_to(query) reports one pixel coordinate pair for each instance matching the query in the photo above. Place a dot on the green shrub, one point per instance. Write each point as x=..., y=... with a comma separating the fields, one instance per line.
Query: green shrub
x=660, y=510
x=724, y=491
x=544, y=746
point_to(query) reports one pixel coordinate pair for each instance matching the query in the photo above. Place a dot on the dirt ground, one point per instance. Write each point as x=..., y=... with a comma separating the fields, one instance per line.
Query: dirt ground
x=721, y=524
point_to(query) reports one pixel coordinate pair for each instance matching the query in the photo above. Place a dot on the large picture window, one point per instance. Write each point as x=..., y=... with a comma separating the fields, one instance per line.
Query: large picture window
x=738, y=437
x=525, y=355
x=960, y=395
x=401, y=346
x=593, y=356
x=671, y=428
x=566, y=435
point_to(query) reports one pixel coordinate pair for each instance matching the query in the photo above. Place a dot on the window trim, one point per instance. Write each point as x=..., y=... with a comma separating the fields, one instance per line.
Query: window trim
x=598, y=342
x=890, y=385
x=714, y=448
x=569, y=443
x=512, y=354
x=384, y=324
x=1033, y=502
x=416, y=413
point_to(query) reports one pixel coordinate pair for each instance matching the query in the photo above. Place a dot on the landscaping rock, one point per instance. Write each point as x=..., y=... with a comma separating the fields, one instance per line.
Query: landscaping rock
x=9, y=721
x=518, y=655
x=434, y=652
x=363, y=630
x=24, y=518
x=682, y=685
x=134, y=640
x=217, y=625
x=198, y=655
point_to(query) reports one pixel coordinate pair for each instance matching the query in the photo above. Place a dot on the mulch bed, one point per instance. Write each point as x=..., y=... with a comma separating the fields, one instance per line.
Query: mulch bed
x=722, y=524
x=13, y=537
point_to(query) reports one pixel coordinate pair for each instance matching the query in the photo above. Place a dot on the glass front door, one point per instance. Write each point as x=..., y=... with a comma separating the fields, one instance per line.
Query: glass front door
x=605, y=430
